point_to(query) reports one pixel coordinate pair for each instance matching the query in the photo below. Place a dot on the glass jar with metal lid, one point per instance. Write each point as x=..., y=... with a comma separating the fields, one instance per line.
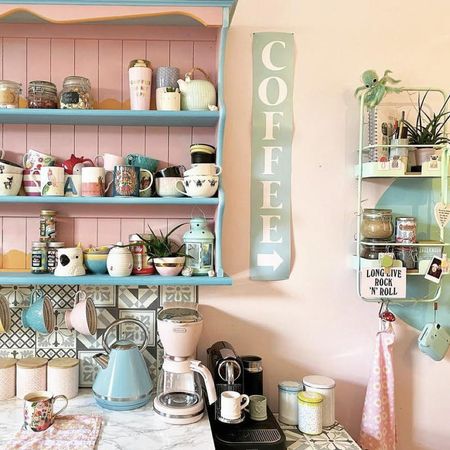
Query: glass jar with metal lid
x=76, y=93
x=310, y=412
x=47, y=225
x=42, y=95
x=52, y=253
x=142, y=264
x=9, y=94
x=372, y=251
x=39, y=257
x=377, y=224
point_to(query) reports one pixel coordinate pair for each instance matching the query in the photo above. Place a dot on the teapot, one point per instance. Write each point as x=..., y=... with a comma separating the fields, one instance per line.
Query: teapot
x=197, y=95
x=123, y=381
x=74, y=164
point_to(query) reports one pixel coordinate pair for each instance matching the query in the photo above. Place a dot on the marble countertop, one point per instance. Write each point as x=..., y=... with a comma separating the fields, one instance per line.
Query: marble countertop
x=137, y=429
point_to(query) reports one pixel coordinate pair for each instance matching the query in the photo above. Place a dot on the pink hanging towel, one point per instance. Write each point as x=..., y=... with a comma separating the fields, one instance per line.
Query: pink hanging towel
x=378, y=419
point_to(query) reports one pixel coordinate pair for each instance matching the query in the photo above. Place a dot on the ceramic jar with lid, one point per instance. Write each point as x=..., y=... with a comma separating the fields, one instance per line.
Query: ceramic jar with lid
x=377, y=224
x=310, y=412
x=7, y=378
x=76, y=93
x=62, y=376
x=120, y=261
x=325, y=387
x=42, y=95
x=9, y=94
x=31, y=375
x=287, y=401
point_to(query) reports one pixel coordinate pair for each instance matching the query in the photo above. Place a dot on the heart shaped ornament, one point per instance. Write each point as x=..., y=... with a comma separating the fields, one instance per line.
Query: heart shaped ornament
x=442, y=214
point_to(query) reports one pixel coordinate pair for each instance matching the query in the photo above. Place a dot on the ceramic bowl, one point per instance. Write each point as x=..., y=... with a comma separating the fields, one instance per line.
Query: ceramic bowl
x=10, y=183
x=9, y=167
x=96, y=263
x=199, y=185
x=169, y=267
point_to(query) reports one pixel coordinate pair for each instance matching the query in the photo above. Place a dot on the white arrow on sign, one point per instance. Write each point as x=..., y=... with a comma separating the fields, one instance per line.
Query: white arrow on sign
x=269, y=260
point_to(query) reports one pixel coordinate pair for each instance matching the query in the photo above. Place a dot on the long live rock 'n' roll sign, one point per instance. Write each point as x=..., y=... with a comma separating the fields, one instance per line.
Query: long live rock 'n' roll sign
x=272, y=129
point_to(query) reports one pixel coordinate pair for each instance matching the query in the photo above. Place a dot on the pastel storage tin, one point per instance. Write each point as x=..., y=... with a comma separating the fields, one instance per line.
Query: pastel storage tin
x=7, y=378
x=63, y=376
x=324, y=386
x=310, y=412
x=31, y=375
x=287, y=401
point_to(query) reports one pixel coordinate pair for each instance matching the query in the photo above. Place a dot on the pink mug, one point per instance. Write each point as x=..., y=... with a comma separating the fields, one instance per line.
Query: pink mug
x=109, y=161
x=32, y=182
x=83, y=317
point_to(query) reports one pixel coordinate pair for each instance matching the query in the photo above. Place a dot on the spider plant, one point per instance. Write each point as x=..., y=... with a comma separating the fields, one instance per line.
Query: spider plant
x=428, y=130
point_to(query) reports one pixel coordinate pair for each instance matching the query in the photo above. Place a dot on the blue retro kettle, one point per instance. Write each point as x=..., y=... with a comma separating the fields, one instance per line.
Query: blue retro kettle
x=123, y=382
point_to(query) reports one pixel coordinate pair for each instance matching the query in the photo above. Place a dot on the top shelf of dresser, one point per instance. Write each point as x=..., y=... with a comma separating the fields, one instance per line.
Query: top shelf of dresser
x=116, y=117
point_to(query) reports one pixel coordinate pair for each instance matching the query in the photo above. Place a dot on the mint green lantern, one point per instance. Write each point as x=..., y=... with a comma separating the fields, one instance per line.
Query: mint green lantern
x=200, y=246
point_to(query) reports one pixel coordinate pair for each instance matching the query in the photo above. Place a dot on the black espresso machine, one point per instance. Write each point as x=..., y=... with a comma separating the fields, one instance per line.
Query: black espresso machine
x=229, y=374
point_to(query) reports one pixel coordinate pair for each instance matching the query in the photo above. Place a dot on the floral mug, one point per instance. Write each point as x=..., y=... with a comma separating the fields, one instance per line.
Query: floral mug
x=38, y=410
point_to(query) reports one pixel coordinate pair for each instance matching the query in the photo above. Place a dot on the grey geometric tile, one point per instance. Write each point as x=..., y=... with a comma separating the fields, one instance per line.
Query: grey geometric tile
x=159, y=354
x=101, y=295
x=62, y=296
x=138, y=297
x=17, y=352
x=88, y=368
x=150, y=361
x=105, y=317
x=134, y=333
x=56, y=353
x=178, y=294
x=18, y=336
x=17, y=296
x=89, y=342
x=61, y=337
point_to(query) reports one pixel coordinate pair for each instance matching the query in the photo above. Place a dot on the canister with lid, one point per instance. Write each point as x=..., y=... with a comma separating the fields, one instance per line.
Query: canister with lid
x=7, y=378
x=324, y=386
x=31, y=375
x=76, y=93
x=377, y=224
x=372, y=251
x=9, y=94
x=52, y=253
x=287, y=401
x=38, y=257
x=310, y=412
x=405, y=230
x=47, y=225
x=141, y=263
x=62, y=376
x=42, y=95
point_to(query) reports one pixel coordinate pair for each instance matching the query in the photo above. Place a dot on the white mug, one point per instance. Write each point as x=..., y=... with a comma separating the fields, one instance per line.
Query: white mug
x=167, y=186
x=52, y=181
x=231, y=405
x=109, y=161
x=204, y=169
x=72, y=185
x=93, y=182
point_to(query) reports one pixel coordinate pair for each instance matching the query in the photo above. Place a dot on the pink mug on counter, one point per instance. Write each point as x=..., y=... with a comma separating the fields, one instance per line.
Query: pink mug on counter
x=83, y=317
x=32, y=182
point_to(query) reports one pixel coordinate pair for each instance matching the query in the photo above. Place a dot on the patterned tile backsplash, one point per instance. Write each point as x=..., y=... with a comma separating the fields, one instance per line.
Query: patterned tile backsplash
x=138, y=302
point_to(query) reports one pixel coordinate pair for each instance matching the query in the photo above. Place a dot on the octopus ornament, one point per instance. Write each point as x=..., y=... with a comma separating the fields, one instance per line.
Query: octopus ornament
x=375, y=88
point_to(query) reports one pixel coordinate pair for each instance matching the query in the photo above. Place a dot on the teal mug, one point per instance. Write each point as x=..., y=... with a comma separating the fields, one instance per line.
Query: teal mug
x=144, y=162
x=39, y=316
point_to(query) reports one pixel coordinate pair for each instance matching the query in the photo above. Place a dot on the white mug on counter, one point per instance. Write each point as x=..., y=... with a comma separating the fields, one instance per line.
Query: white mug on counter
x=52, y=181
x=231, y=404
x=109, y=160
x=93, y=182
x=204, y=169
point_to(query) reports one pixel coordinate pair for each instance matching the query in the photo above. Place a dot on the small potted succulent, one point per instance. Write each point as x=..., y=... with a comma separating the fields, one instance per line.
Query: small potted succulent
x=428, y=131
x=168, y=256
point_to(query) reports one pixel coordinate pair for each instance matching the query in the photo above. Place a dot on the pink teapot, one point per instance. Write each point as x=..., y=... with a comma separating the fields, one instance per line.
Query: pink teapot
x=73, y=165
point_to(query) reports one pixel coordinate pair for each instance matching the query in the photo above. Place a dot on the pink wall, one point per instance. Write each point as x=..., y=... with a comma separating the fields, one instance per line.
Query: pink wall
x=314, y=322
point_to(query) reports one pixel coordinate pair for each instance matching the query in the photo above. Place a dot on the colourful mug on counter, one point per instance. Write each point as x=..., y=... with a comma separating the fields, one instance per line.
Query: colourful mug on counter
x=35, y=160
x=52, y=181
x=32, y=182
x=72, y=185
x=38, y=414
x=93, y=182
x=127, y=181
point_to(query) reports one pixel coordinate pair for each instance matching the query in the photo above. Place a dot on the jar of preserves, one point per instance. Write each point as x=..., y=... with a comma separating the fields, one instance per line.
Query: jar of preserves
x=310, y=412
x=141, y=263
x=405, y=230
x=372, y=251
x=377, y=224
x=287, y=401
x=408, y=256
x=39, y=257
x=42, y=95
x=9, y=94
x=47, y=225
x=52, y=255
x=76, y=93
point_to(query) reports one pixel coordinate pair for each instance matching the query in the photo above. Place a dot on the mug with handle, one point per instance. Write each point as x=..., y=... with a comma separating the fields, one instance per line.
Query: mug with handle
x=38, y=414
x=39, y=316
x=109, y=161
x=258, y=407
x=127, y=181
x=232, y=404
x=52, y=181
x=36, y=160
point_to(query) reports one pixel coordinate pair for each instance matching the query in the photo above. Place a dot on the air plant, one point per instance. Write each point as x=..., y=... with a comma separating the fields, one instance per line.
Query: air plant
x=428, y=130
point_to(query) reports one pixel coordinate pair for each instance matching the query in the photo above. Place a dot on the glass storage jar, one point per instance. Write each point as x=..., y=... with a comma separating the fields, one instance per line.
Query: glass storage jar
x=76, y=93
x=377, y=224
x=42, y=95
x=9, y=94
x=372, y=251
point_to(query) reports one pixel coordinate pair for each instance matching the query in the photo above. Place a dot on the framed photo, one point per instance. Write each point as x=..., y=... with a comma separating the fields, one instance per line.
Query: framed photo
x=434, y=271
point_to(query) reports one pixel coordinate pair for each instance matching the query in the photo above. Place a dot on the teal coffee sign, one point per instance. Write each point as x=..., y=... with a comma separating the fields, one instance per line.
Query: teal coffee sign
x=272, y=127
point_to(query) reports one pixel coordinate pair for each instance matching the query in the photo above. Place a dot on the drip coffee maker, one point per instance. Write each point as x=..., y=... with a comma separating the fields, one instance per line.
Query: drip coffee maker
x=179, y=396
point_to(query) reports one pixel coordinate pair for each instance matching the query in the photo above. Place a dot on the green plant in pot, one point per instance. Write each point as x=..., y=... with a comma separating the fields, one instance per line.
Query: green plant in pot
x=428, y=131
x=168, y=256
